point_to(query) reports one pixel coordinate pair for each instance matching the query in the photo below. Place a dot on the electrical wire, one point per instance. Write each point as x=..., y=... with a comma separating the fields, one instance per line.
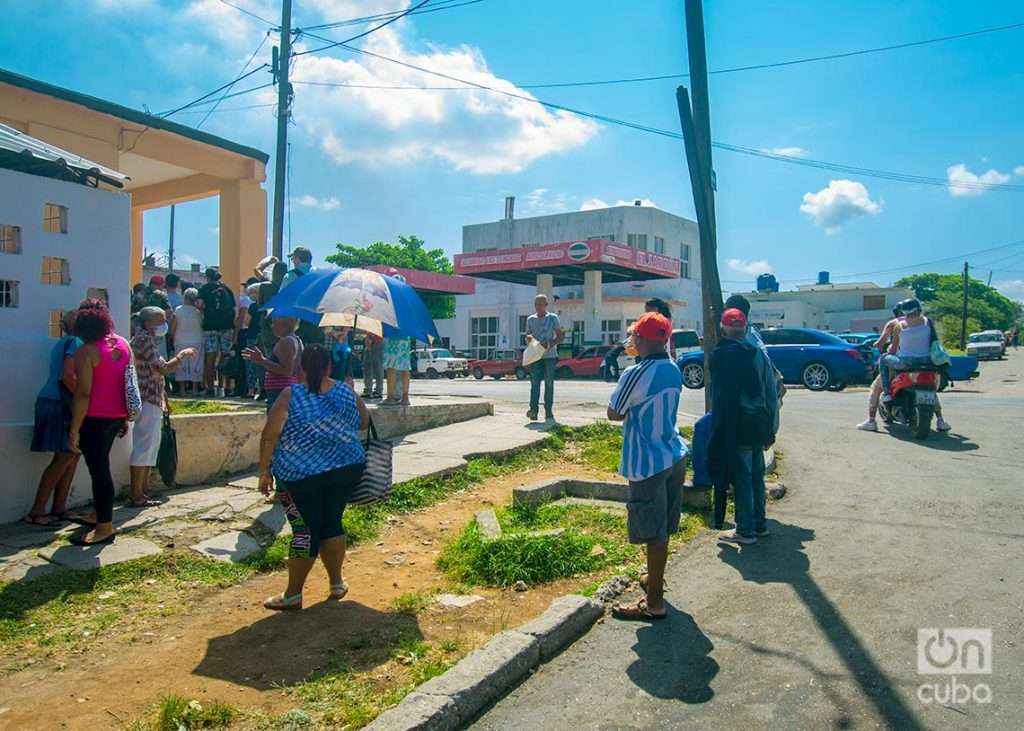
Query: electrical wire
x=215, y=91
x=227, y=109
x=246, y=66
x=443, y=5
x=333, y=44
x=250, y=14
x=233, y=94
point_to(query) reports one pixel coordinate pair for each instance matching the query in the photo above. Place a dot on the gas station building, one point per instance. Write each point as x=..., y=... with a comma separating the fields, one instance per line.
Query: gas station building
x=597, y=268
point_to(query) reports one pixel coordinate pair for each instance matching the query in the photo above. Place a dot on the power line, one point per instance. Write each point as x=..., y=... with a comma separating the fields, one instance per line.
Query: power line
x=730, y=70
x=215, y=91
x=333, y=44
x=253, y=56
x=819, y=164
x=249, y=13
x=232, y=95
x=227, y=109
x=443, y=5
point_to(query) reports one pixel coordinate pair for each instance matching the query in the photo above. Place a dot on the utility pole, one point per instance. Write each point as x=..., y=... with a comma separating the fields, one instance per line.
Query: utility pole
x=170, y=245
x=963, y=318
x=282, y=58
x=695, y=119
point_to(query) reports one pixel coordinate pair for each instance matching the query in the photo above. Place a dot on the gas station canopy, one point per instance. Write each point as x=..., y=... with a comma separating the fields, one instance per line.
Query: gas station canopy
x=431, y=282
x=567, y=263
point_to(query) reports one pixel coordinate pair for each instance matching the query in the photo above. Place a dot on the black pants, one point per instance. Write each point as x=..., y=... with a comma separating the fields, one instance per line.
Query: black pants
x=95, y=439
x=315, y=505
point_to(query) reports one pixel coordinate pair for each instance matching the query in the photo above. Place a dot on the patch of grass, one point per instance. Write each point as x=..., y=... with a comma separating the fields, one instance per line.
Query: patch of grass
x=190, y=407
x=412, y=602
x=271, y=558
x=175, y=713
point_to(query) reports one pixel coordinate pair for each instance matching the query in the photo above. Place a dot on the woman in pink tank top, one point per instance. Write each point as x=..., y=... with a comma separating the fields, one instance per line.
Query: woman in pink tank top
x=99, y=412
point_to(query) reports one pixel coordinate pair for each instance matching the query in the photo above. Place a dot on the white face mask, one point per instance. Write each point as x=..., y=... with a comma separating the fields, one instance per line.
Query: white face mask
x=162, y=329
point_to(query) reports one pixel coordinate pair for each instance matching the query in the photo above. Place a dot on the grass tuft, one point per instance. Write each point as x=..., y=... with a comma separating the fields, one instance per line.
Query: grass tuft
x=412, y=602
x=190, y=407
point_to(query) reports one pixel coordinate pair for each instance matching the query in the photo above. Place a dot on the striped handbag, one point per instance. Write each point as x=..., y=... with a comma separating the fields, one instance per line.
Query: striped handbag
x=376, y=481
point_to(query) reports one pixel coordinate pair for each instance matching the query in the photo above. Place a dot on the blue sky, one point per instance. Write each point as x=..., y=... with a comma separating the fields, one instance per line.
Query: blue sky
x=370, y=164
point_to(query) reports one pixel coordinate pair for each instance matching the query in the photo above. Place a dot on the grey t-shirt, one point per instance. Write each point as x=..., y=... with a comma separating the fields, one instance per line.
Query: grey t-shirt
x=543, y=329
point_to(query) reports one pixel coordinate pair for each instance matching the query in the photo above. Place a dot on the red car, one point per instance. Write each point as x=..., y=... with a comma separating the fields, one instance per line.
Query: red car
x=502, y=363
x=587, y=363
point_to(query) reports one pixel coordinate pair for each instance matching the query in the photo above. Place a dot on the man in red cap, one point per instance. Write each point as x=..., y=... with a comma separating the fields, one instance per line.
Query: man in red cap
x=653, y=456
x=740, y=424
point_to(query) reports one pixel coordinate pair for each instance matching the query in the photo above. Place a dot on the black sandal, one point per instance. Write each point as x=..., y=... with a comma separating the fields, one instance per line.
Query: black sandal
x=46, y=520
x=78, y=539
x=78, y=519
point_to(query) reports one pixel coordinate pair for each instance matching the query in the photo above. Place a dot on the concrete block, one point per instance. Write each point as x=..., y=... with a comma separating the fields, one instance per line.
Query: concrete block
x=598, y=489
x=611, y=506
x=562, y=623
x=538, y=492
x=232, y=546
x=698, y=498
x=168, y=530
x=457, y=601
x=124, y=548
x=419, y=712
x=487, y=523
x=487, y=673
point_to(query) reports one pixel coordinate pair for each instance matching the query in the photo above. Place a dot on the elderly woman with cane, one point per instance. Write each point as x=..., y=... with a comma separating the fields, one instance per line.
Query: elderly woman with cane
x=311, y=448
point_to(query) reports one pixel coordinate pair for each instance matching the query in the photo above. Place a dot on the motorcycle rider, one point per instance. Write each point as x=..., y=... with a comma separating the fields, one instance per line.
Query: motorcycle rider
x=882, y=344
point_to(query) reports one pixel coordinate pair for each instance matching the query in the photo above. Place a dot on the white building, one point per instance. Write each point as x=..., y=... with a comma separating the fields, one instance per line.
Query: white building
x=60, y=242
x=853, y=307
x=495, y=316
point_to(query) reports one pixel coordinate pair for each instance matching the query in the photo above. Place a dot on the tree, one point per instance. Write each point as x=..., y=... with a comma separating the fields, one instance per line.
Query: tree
x=409, y=253
x=942, y=297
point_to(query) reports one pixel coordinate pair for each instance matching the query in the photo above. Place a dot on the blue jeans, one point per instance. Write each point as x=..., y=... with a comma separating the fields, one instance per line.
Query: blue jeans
x=746, y=472
x=542, y=369
x=899, y=363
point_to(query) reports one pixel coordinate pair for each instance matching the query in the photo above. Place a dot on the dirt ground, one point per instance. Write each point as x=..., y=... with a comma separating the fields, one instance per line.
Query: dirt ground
x=228, y=648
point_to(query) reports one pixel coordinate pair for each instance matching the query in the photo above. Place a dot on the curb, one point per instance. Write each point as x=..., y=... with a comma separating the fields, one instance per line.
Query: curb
x=453, y=699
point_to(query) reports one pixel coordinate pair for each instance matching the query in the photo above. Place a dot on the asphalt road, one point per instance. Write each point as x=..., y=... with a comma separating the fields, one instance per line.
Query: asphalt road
x=817, y=625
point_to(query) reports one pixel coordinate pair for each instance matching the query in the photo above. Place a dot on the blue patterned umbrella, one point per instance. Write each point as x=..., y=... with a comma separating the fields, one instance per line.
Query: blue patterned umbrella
x=359, y=298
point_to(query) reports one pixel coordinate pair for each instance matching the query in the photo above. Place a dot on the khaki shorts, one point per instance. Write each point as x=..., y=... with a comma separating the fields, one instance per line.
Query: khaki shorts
x=655, y=505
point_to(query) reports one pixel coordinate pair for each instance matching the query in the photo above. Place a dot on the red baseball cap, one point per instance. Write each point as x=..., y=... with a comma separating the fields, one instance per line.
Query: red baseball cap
x=653, y=326
x=734, y=317
x=157, y=280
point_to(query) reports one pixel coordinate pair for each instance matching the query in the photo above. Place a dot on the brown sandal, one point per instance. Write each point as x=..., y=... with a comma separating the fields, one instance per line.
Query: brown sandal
x=637, y=612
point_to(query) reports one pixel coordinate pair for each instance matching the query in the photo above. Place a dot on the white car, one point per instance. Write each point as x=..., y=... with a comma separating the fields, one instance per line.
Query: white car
x=437, y=362
x=987, y=344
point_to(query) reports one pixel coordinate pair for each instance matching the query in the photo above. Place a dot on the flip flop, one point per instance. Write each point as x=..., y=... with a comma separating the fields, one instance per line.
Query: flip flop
x=636, y=613
x=79, y=519
x=338, y=591
x=78, y=539
x=282, y=603
x=47, y=520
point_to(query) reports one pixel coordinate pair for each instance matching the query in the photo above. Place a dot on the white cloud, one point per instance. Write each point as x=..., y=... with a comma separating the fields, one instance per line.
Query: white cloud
x=541, y=201
x=1019, y=170
x=475, y=131
x=1014, y=289
x=754, y=266
x=230, y=26
x=962, y=182
x=592, y=204
x=841, y=201
x=311, y=201
x=786, y=151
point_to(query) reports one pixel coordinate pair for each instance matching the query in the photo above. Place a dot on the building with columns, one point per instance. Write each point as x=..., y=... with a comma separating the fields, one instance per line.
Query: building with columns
x=164, y=163
x=597, y=267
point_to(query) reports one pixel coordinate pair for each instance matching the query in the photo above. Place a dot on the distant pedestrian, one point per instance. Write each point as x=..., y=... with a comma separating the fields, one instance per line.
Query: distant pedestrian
x=653, y=456
x=175, y=297
x=50, y=432
x=218, y=306
x=187, y=334
x=373, y=366
x=311, y=448
x=543, y=327
x=282, y=365
x=152, y=369
x=739, y=430
x=341, y=354
x=398, y=366
x=99, y=411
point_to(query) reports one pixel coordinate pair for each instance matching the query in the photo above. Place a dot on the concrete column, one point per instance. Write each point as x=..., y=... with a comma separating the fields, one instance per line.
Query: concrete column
x=135, y=260
x=592, y=281
x=546, y=286
x=243, y=229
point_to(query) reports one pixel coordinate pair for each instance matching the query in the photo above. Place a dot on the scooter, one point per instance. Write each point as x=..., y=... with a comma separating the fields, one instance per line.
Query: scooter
x=914, y=396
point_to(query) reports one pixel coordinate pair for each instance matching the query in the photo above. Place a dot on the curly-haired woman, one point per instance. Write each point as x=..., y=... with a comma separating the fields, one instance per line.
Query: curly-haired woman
x=99, y=412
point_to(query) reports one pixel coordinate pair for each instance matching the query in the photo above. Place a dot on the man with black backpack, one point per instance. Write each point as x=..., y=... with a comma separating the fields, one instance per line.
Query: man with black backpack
x=218, y=306
x=741, y=426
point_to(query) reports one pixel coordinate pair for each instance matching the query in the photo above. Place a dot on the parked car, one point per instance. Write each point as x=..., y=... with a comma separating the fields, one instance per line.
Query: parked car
x=587, y=363
x=685, y=341
x=435, y=362
x=502, y=363
x=866, y=343
x=812, y=358
x=989, y=344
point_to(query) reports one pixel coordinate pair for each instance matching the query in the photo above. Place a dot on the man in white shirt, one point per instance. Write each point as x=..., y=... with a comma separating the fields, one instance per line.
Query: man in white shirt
x=544, y=327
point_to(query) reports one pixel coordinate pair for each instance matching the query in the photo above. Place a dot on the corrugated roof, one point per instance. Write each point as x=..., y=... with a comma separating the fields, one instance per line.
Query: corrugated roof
x=129, y=114
x=19, y=151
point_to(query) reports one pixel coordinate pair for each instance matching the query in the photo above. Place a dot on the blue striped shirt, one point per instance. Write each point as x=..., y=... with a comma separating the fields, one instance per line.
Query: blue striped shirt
x=648, y=395
x=320, y=435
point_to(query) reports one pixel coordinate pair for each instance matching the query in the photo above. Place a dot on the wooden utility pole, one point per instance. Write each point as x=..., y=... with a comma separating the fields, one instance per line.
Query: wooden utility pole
x=695, y=120
x=282, y=59
x=963, y=317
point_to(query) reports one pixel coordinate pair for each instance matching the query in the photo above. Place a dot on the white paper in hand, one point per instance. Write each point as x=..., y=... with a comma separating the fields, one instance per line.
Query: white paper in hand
x=533, y=352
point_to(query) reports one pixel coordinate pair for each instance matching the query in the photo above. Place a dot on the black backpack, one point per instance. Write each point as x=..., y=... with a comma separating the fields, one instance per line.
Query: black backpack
x=222, y=303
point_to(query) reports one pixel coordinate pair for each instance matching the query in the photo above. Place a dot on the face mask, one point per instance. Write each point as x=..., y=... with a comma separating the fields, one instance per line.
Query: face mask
x=304, y=267
x=162, y=329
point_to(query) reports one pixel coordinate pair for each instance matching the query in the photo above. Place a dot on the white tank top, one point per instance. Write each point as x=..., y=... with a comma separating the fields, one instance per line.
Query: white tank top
x=916, y=342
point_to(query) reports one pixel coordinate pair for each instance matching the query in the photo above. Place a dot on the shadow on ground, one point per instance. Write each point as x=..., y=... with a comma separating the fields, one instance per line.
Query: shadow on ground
x=673, y=660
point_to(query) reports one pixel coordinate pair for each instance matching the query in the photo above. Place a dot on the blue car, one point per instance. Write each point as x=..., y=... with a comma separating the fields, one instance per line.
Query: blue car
x=811, y=358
